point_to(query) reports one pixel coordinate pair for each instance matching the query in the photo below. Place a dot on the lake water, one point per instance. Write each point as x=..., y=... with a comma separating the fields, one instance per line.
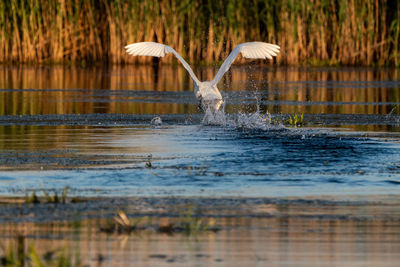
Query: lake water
x=90, y=129
x=253, y=242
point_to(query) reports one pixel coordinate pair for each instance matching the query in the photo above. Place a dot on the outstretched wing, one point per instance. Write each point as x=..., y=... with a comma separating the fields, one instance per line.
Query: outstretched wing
x=248, y=50
x=157, y=50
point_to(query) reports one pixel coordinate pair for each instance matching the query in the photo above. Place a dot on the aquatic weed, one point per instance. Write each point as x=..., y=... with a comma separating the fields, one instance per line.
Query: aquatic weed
x=188, y=224
x=20, y=257
x=192, y=225
x=203, y=169
x=55, y=198
x=33, y=198
x=296, y=120
x=11, y=258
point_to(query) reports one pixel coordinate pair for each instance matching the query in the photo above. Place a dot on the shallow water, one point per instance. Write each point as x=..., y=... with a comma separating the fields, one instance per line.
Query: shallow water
x=256, y=242
x=255, y=231
x=90, y=129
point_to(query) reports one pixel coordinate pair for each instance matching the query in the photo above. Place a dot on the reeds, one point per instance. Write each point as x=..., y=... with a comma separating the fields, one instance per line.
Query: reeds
x=314, y=32
x=18, y=253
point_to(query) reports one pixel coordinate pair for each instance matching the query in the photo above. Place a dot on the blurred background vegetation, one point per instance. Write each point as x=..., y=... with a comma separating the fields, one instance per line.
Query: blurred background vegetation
x=310, y=32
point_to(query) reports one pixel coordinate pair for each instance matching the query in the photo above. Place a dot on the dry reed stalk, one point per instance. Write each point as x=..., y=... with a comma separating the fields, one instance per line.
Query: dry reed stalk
x=310, y=32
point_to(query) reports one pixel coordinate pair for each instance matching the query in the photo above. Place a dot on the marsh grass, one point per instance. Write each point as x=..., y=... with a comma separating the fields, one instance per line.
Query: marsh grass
x=292, y=119
x=317, y=32
x=57, y=197
x=191, y=225
x=296, y=120
x=17, y=254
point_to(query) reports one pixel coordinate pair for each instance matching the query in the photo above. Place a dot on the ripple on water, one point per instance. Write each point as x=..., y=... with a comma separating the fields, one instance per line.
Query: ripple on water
x=78, y=138
x=206, y=160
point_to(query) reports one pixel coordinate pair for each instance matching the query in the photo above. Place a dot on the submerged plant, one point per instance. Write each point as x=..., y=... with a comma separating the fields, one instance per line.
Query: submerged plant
x=203, y=169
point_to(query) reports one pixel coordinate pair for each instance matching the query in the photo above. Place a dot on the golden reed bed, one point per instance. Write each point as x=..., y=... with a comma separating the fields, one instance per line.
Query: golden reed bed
x=316, y=32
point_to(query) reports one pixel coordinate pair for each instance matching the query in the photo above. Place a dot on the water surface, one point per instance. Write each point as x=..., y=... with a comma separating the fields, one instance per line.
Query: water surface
x=90, y=129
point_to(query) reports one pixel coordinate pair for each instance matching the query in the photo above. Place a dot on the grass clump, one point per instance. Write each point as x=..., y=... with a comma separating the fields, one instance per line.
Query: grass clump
x=33, y=198
x=296, y=120
x=191, y=225
x=55, y=198
x=16, y=255
x=48, y=198
x=293, y=120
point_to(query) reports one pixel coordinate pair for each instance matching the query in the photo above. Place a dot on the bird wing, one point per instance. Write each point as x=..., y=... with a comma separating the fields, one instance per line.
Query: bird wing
x=158, y=50
x=248, y=50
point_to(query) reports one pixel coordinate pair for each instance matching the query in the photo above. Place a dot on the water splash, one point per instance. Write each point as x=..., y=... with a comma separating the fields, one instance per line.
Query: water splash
x=251, y=121
x=256, y=121
x=215, y=117
x=241, y=120
x=156, y=121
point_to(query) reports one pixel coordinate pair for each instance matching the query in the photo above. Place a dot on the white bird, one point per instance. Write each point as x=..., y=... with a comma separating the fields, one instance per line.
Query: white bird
x=207, y=91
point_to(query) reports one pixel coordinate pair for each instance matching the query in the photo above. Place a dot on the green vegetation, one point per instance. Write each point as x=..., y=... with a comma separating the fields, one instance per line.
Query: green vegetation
x=310, y=32
x=192, y=225
x=55, y=198
x=33, y=198
x=16, y=255
x=296, y=120
x=293, y=120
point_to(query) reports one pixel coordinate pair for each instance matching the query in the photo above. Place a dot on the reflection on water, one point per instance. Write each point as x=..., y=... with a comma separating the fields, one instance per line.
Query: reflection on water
x=242, y=241
x=168, y=89
x=90, y=128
